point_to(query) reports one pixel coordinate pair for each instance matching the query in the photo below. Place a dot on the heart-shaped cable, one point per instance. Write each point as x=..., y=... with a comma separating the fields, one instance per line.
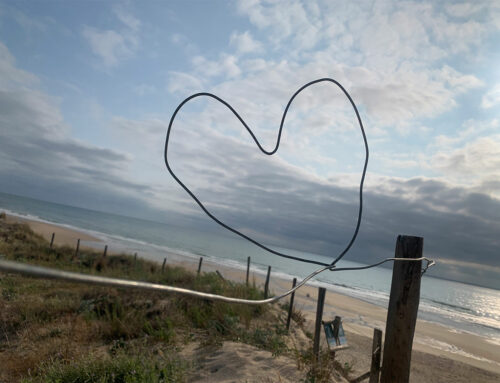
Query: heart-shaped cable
x=270, y=153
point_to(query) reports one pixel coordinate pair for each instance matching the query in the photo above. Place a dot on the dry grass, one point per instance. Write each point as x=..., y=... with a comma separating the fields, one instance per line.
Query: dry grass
x=53, y=331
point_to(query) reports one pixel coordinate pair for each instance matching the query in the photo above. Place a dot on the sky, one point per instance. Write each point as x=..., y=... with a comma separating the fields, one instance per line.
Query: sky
x=87, y=89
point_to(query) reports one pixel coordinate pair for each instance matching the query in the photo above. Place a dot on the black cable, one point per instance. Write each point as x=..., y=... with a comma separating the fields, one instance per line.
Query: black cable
x=270, y=153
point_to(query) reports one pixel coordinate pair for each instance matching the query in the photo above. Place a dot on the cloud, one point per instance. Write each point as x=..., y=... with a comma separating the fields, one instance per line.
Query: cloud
x=226, y=66
x=110, y=46
x=492, y=98
x=12, y=77
x=113, y=46
x=463, y=10
x=282, y=20
x=385, y=34
x=29, y=24
x=184, y=83
x=127, y=19
x=396, y=59
x=286, y=205
x=402, y=62
x=37, y=154
x=244, y=42
x=475, y=164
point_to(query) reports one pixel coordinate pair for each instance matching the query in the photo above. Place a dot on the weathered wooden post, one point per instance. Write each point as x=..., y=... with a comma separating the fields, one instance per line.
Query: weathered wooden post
x=248, y=268
x=290, y=308
x=266, y=286
x=52, y=240
x=403, y=309
x=376, y=355
x=105, y=251
x=135, y=260
x=374, y=372
x=317, y=326
x=77, y=248
x=199, y=266
x=163, y=266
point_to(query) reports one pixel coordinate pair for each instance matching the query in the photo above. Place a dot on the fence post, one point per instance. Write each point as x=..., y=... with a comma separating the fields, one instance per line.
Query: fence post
x=290, y=308
x=199, y=265
x=376, y=355
x=319, y=317
x=248, y=268
x=402, y=311
x=220, y=275
x=105, y=251
x=266, y=286
x=77, y=248
x=163, y=266
x=52, y=240
x=135, y=260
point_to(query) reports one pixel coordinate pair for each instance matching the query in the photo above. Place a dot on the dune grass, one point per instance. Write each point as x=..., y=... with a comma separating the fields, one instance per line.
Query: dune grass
x=53, y=331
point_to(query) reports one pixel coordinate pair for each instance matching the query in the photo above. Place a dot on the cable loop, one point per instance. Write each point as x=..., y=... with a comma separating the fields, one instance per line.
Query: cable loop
x=270, y=153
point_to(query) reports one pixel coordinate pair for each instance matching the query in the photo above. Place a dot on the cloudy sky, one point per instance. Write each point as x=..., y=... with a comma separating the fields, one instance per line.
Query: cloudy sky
x=87, y=90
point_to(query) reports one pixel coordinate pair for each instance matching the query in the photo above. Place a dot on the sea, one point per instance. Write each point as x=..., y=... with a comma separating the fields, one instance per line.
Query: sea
x=462, y=307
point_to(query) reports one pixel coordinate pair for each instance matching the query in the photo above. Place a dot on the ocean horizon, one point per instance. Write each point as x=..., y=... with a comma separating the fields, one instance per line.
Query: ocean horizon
x=463, y=307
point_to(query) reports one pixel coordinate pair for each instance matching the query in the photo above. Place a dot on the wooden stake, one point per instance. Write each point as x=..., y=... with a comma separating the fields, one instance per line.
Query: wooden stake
x=77, y=248
x=319, y=317
x=105, y=251
x=52, y=240
x=219, y=274
x=290, y=308
x=376, y=355
x=135, y=260
x=266, y=286
x=199, y=265
x=248, y=269
x=402, y=312
x=163, y=266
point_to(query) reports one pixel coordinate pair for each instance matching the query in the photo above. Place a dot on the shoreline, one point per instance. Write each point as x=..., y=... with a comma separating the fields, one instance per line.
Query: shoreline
x=432, y=341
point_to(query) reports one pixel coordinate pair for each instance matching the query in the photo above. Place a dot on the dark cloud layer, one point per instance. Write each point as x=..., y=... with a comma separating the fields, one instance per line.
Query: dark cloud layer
x=38, y=160
x=285, y=206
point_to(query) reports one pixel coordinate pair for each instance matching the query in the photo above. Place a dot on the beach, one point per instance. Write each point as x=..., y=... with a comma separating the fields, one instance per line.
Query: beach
x=440, y=353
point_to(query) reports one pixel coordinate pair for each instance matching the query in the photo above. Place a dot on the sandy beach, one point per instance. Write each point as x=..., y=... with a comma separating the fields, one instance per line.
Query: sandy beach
x=63, y=236
x=440, y=354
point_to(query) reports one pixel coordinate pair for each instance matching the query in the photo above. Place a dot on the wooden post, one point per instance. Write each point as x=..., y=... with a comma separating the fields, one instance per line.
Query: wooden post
x=403, y=309
x=77, y=248
x=376, y=355
x=105, y=251
x=135, y=260
x=163, y=266
x=290, y=308
x=266, y=286
x=248, y=269
x=317, y=326
x=199, y=265
x=52, y=240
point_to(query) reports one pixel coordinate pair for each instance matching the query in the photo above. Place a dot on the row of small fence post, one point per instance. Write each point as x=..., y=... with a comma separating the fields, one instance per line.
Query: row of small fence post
x=401, y=314
x=266, y=284
x=105, y=253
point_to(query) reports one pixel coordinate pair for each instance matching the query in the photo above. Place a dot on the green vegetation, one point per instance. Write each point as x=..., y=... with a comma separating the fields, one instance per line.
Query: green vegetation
x=122, y=368
x=53, y=331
